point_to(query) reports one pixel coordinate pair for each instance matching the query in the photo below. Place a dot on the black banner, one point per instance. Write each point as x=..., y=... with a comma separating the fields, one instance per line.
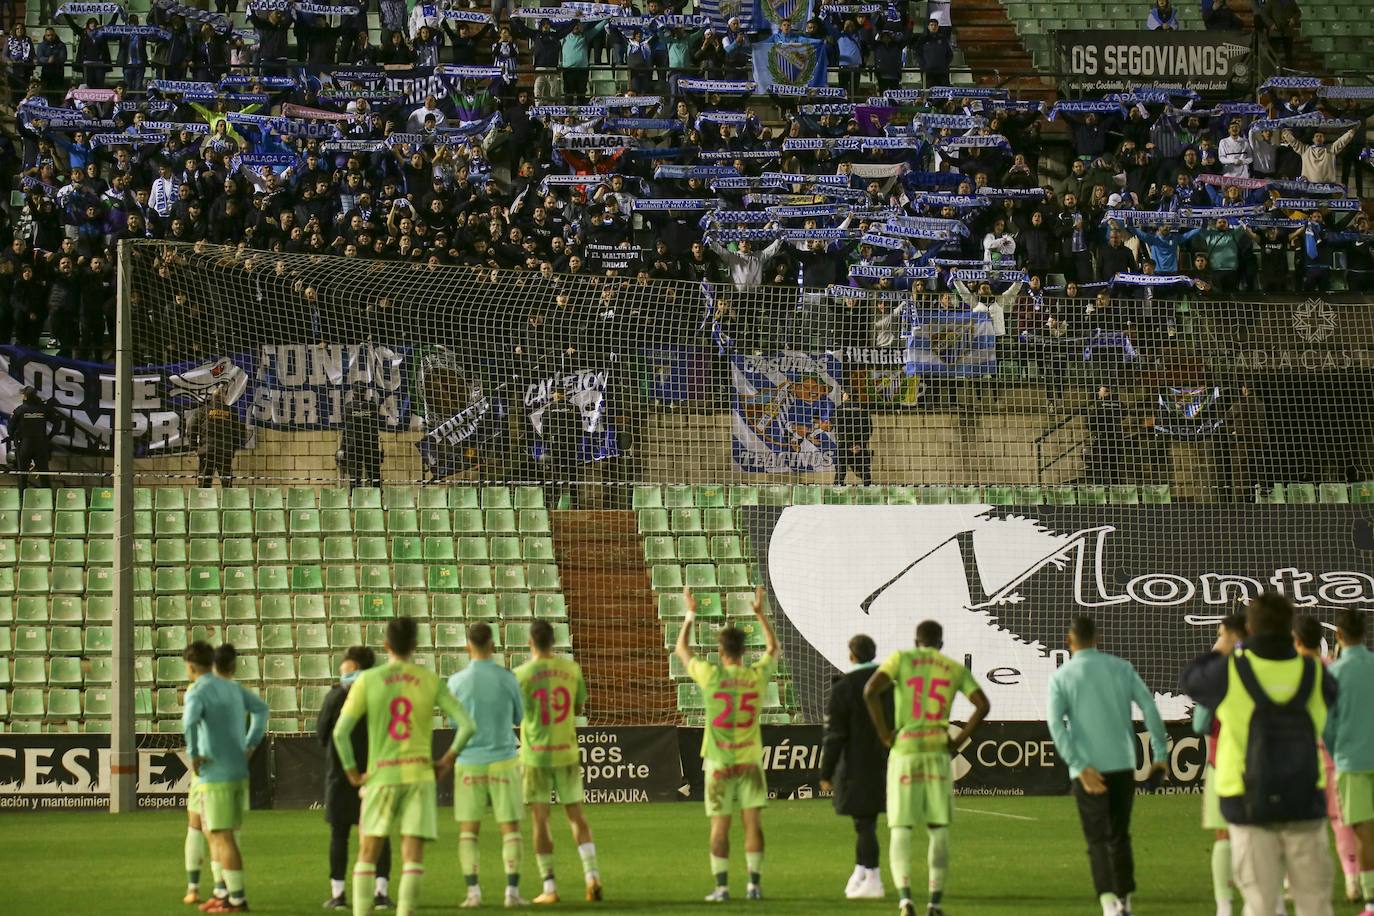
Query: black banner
x=1005, y=582
x=1118, y=61
x=72, y=773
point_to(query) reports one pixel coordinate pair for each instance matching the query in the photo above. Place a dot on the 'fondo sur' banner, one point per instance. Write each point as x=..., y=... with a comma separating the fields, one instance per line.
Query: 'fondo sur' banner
x=1005, y=583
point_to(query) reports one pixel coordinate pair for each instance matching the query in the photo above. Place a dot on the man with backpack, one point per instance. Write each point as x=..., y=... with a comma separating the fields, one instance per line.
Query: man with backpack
x=1272, y=704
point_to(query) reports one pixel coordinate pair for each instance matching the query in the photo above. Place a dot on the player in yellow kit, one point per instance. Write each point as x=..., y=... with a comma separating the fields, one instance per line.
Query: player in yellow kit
x=732, y=747
x=398, y=699
x=554, y=694
x=920, y=780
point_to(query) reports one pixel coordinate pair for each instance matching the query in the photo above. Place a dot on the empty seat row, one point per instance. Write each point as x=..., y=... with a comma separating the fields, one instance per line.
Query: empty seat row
x=672, y=577
x=344, y=548
x=390, y=497
x=660, y=547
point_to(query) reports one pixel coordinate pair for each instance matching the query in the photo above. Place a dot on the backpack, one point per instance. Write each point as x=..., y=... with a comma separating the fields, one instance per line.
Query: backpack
x=1281, y=778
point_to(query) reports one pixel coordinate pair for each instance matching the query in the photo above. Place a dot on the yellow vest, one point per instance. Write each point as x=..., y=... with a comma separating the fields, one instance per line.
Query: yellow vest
x=1280, y=679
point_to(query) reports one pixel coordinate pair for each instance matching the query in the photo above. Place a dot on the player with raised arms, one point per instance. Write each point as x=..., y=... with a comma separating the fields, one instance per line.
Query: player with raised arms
x=920, y=779
x=554, y=694
x=219, y=749
x=398, y=791
x=732, y=746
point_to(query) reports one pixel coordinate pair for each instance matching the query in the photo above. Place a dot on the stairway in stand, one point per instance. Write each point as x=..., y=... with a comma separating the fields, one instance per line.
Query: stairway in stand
x=992, y=49
x=616, y=634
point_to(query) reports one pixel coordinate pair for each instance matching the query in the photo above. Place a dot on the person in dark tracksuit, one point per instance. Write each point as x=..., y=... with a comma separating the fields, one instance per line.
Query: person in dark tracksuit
x=217, y=433
x=853, y=430
x=360, y=447
x=854, y=764
x=342, y=806
x=30, y=437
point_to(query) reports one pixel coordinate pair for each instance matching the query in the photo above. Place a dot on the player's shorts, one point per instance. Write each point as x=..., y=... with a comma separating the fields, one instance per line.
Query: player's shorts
x=476, y=784
x=920, y=790
x=195, y=797
x=732, y=787
x=1211, y=802
x=1357, y=797
x=410, y=809
x=223, y=804
x=564, y=782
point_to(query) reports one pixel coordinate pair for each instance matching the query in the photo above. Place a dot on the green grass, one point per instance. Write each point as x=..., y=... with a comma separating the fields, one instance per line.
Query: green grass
x=1008, y=856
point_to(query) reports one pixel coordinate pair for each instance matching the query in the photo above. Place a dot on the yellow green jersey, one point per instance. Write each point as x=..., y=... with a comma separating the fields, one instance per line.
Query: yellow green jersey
x=733, y=696
x=925, y=684
x=552, y=691
x=398, y=699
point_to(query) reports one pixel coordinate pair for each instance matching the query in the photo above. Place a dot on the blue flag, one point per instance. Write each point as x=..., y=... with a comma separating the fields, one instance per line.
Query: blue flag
x=789, y=63
x=950, y=343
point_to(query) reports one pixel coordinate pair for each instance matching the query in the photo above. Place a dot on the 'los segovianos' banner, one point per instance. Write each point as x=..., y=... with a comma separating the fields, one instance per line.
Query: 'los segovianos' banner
x=1103, y=60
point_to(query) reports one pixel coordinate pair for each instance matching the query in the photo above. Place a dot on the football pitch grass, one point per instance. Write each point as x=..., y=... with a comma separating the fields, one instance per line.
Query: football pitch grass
x=1007, y=856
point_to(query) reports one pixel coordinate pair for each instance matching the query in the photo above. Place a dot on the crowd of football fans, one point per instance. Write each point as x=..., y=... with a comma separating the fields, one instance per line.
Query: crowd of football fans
x=465, y=140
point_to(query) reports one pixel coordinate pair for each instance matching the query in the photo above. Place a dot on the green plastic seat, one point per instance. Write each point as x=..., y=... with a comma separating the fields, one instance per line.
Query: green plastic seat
x=68, y=580
x=374, y=576
x=343, y=635
x=543, y=577
x=806, y=494
x=500, y=521
x=510, y=578
x=369, y=521
x=527, y=497
x=406, y=521
x=69, y=499
x=476, y=578
x=647, y=497
x=966, y=495
x=236, y=522
x=32, y=610
x=304, y=521
x=1302, y=494
x=1029, y=496
x=653, y=521
x=1362, y=493
x=1092, y=495
x=1333, y=493
x=315, y=667
x=244, y=636
x=69, y=524
x=202, y=552
x=1061, y=496
x=744, y=495
x=307, y=578
x=672, y=606
x=338, y=549
x=935, y=496
x=97, y=703
x=398, y=497
x=538, y=549
x=450, y=636
x=170, y=524
x=240, y=607
x=276, y=638
x=268, y=498
x=837, y=496
x=169, y=640
x=333, y=498
x=336, y=521
x=463, y=496
x=279, y=668
x=432, y=498
x=409, y=577
x=480, y=607
x=372, y=548
x=203, y=498
x=496, y=498
x=308, y=607
x=441, y=549
x=26, y=703
x=37, y=499
x=413, y=605
x=235, y=499
x=35, y=524
x=367, y=498
x=693, y=548
x=238, y=551
x=733, y=575
x=269, y=521
x=1156, y=494
x=378, y=606
x=32, y=580
x=305, y=550
x=273, y=579
x=9, y=553
x=171, y=609
x=534, y=521
x=341, y=578
x=718, y=519
x=665, y=577
x=658, y=547
x=238, y=579
x=447, y=606
x=100, y=608
x=204, y=523
x=726, y=547
x=515, y=605
x=204, y=580
x=686, y=521
x=67, y=609
x=467, y=521
x=64, y=703
x=1123, y=494
x=206, y=609
x=35, y=552
x=503, y=548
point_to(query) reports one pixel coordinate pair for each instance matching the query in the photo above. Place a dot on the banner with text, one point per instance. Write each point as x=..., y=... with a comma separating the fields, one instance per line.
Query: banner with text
x=1106, y=60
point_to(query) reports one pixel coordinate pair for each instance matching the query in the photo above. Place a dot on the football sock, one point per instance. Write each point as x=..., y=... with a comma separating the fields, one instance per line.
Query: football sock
x=899, y=860
x=545, y=862
x=467, y=857
x=511, y=848
x=412, y=877
x=336, y=888
x=1221, y=871
x=1367, y=886
x=233, y=879
x=363, y=876
x=218, y=874
x=383, y=885
x=194, y=851
x=754, y=862
x=587, y=852
x=720, y=867
x=1111, y=903
x=937, y=861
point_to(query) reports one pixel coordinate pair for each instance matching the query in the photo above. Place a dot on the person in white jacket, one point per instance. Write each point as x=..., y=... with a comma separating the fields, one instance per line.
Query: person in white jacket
x=746, y=265
x=984, y=301
x=1234, y=152
x=998, y=245
x=1319, y=159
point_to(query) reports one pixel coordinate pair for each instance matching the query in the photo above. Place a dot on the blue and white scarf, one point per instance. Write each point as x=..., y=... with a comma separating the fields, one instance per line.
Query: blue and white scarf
x=720, y=87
